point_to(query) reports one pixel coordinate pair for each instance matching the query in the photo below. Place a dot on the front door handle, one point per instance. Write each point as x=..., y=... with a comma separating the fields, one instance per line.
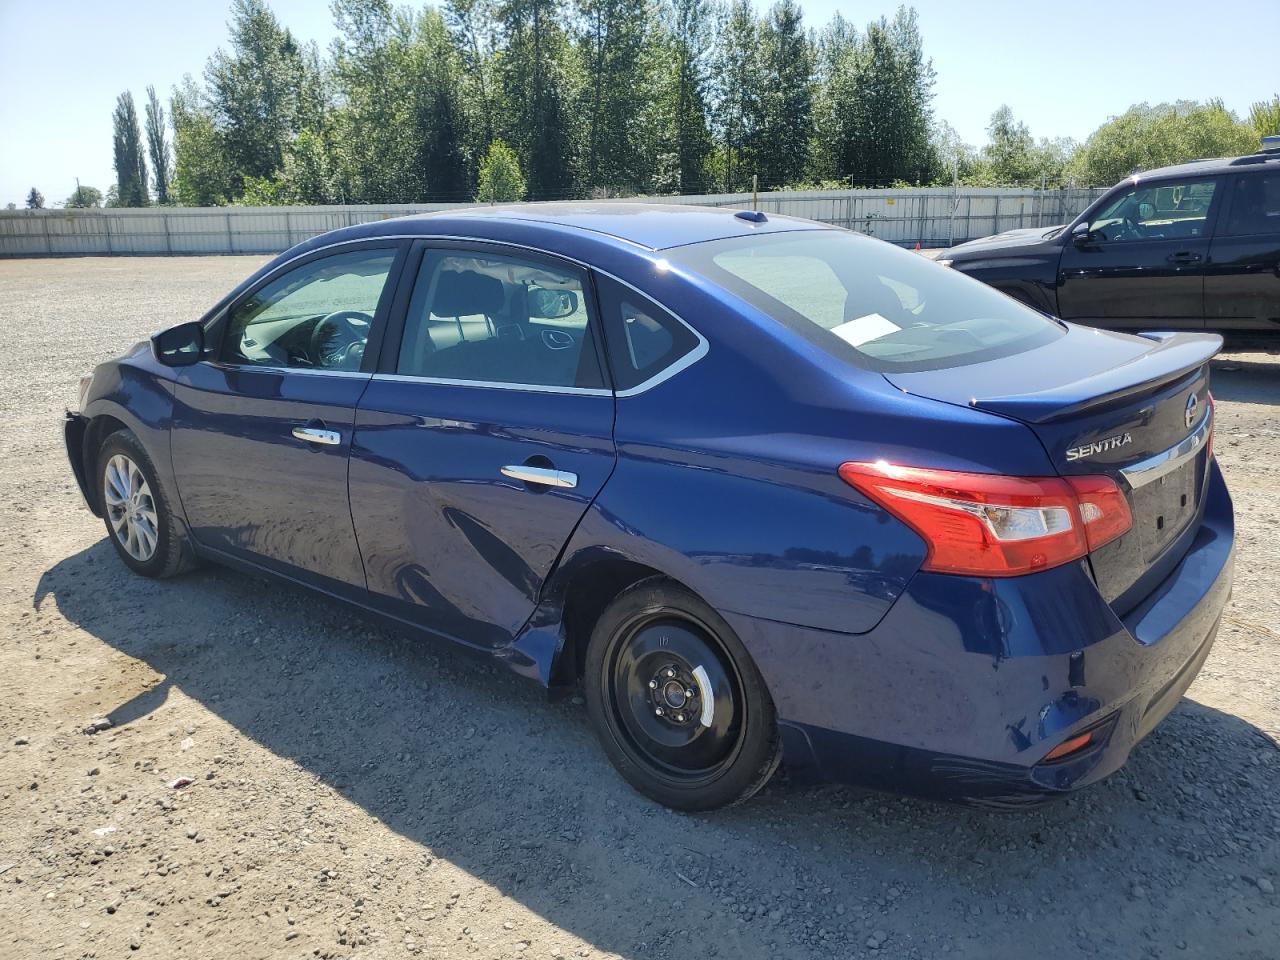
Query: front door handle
x=326, y=438
x=543, y=476
x=1184, y=257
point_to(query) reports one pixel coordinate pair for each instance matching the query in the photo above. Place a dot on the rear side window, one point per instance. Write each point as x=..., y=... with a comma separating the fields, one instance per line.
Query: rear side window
x=644, y=339
x=1255, y=205
x=868, y=302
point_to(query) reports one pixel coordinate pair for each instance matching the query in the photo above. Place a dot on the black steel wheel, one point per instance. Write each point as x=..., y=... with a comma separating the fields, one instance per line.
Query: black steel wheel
x=676, y=701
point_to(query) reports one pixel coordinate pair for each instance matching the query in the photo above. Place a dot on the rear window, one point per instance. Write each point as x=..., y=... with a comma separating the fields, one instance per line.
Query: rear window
x=869, y=302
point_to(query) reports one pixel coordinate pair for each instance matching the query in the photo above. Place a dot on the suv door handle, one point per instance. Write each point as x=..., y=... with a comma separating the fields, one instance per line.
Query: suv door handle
x=327, y=438
x=540, y=475
x=1186, y=256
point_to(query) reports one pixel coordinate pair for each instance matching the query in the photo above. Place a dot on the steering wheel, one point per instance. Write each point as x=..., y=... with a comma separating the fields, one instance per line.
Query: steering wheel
x=338, y=340
x=1132, y=229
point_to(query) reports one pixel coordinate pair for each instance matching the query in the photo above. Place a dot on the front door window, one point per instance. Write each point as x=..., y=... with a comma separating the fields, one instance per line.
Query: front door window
x=315, y=317
x=1156, y=211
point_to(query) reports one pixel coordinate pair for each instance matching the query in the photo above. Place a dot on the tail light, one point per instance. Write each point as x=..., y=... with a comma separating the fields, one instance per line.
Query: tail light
x=987, y=525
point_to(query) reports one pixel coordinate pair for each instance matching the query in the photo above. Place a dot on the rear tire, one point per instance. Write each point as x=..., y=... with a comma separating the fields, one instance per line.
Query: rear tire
x=137, y=509
x=676, y=702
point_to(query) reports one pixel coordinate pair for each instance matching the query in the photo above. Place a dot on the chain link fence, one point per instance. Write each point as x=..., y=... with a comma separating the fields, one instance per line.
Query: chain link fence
x=929, y=216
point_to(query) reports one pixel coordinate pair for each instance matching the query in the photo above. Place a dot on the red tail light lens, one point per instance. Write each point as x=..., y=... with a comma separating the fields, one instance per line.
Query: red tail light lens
x=1103, y=509
x=983, y=524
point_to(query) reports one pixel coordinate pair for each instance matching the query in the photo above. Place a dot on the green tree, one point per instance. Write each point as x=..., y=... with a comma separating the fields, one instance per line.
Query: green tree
x=500, y=179
x=201, y=169
x=1012, y=157
x=736, y=94
x=1145, y=137
x=475, y=31
x=261, y=92
x=400, y=118
x=874, y=119
x=682, y=45
x=84, y=197
x=538, y=76
x=786, y=99
x=613, y=41
x=1264, y=117
x=157, y=146
x=131, y=167
x=35, y=200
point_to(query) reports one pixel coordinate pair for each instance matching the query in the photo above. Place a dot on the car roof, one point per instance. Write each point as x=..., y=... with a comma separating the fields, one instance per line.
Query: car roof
x=654, y=226
x=1211, y=165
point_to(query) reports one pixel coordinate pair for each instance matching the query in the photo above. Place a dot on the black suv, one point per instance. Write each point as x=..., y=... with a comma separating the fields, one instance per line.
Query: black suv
x=1196, y=246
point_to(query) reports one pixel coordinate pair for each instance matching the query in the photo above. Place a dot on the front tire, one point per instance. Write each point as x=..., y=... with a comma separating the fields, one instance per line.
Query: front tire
x=137, y=510
x=676, y=702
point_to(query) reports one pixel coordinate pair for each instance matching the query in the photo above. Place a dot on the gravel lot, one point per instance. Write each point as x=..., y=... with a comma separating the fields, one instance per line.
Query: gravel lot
x=359, y=795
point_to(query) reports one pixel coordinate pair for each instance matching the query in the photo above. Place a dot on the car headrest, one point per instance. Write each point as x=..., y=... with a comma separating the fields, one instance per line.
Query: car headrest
x=465, y=293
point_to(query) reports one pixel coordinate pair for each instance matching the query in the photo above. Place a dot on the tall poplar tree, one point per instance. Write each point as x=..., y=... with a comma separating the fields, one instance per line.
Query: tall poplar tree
x=157, y=146
x=130, y=164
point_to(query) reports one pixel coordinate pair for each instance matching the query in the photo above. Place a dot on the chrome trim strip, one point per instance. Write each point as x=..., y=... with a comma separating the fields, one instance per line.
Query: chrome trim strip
x=493, y=385
x=666, y=373
x=306, y=371
x=681, y=364
x=541, y=475
x=1154, y=467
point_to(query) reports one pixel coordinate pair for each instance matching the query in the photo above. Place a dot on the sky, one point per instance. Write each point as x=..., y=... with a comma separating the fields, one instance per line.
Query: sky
x=1063, y=68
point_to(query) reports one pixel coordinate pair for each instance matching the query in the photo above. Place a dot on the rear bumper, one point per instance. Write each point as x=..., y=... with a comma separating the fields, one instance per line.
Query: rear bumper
x=967, y=683
x=74, y=427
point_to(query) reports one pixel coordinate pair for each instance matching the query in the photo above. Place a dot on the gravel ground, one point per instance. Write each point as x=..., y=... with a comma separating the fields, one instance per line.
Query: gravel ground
x=359, y=795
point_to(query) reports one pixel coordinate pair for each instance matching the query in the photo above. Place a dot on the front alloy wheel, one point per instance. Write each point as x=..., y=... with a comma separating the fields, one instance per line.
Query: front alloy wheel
x=136, y=509
x=131, y=510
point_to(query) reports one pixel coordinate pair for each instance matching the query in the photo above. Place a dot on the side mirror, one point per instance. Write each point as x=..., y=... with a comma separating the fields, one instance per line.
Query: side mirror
x=1081, y=234
x=179, y=346
x=552, y=304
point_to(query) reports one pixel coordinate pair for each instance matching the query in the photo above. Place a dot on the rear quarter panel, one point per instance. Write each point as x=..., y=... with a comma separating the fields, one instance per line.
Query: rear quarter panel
x=727, y=472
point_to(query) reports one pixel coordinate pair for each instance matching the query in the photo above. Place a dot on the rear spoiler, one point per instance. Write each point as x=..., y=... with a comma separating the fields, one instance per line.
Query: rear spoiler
x=1174, y=356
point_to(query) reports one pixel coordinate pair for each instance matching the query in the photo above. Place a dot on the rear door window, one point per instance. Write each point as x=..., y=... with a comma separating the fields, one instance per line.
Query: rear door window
x=869, y=302
x=480, y=318
x=1255, y=206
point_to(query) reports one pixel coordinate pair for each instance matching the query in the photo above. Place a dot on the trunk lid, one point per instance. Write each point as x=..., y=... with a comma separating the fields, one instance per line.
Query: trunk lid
x=1135, y=408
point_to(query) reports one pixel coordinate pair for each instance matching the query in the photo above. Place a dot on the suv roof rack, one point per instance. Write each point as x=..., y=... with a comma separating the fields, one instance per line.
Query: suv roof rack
x=1270, y=151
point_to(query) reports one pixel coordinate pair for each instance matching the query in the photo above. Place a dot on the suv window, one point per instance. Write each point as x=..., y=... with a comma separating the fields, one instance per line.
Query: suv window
x=316, y=316
x=643, y=338
x=1255, y=205
x=868, y=302
x=1155, y=211
x=496, y=319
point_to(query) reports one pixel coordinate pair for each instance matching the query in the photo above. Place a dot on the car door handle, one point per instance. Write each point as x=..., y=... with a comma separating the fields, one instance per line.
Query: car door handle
x=327, y=438
x=541, y=475
x=1184, y=257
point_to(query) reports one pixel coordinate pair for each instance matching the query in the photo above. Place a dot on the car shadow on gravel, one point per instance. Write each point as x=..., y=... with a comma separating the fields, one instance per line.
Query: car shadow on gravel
x=1246, y=381
x=474, y=764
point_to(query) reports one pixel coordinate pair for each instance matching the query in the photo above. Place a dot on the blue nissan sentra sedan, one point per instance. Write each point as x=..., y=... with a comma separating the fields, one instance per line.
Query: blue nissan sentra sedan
x=760, y=487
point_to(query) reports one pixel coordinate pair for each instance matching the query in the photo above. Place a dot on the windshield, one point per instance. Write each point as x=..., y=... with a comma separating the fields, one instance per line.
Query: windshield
x=869, y=302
